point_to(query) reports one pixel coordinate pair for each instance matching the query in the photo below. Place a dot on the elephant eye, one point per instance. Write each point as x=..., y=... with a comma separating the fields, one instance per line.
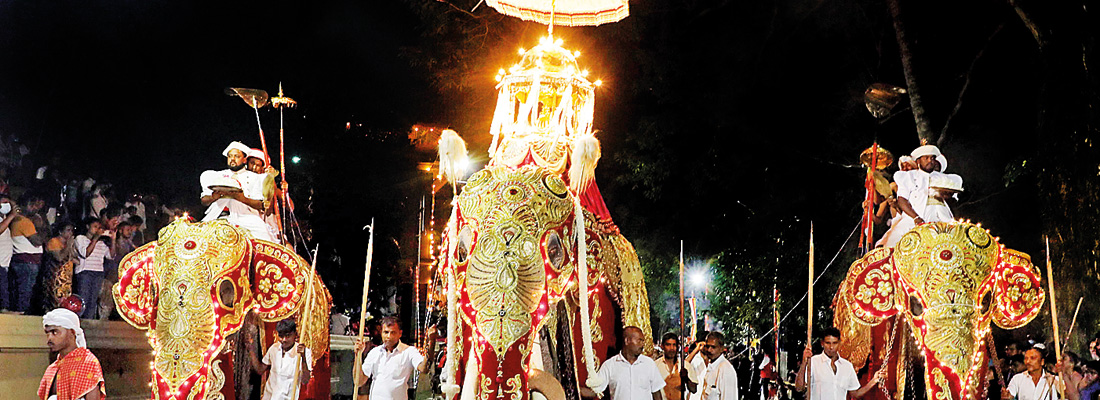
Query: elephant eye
x=915, y=306
x=227, y=294
x=555, y=251
x=987, y=302
x=462, y=248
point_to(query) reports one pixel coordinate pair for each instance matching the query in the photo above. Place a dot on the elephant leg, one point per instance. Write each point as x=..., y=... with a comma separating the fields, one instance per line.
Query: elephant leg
x=567, y=369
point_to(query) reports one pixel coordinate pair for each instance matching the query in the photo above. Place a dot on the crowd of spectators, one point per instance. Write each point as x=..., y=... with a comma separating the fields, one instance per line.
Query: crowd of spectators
x=63, y=235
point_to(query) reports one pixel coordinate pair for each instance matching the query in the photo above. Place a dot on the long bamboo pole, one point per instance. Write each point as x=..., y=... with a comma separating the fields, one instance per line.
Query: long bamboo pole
x=307, y=310
x=682, y=394
x=363, y=312
x=1053, y=305
x=1073, y=323
x=810, y=292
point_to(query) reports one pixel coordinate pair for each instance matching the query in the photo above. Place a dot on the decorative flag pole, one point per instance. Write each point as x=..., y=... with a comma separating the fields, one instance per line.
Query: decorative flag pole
x=363, y=310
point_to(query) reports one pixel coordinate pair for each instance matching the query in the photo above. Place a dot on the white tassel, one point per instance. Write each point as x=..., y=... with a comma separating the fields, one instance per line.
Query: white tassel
x=449, y=387
x=452, y=156
x=582, y=168
x=593, y=381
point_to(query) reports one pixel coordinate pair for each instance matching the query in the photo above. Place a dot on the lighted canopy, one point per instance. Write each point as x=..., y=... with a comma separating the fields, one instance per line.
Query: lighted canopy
x=564, y=12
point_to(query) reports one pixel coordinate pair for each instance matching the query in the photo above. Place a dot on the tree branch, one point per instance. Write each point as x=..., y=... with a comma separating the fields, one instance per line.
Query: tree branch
x=1029, y=24
x=924, y=127
x=966, y=85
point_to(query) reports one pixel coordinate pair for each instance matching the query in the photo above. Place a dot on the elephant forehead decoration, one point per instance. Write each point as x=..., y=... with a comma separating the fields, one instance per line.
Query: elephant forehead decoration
x=193, y=287
x=949, y=280
x=513, y=247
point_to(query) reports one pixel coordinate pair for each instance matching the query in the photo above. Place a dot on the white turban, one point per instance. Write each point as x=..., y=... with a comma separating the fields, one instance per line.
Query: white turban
x=930, y=150
x=236, y=145
x=64, y=318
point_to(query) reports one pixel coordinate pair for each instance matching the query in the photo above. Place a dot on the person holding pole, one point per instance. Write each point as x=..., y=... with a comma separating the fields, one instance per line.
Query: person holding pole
x=388, y=367
x=1033, y=384
x=830, y=376
x=284, y=359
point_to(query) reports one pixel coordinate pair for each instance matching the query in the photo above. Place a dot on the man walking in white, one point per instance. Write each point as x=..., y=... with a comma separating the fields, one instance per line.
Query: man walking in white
x=1033, y=384
x=236, y=193
x=831, y=377
x=630, y=375
x=389, y=367
x=285, y=361
x=721, y=380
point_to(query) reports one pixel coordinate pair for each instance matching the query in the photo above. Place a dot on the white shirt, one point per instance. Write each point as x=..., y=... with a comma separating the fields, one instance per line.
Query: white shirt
x=664, y=370
x=240, y=214
x=721, y=381
x=828, y=385
x=1023, y=388
x=630, y=381
x=699, y=364
x=280, y=378
x=90, y=261
x=390, y=371
x=7, y=247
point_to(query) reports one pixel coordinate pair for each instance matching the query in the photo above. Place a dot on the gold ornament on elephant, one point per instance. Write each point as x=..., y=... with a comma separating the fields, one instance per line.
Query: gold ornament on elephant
x=506, y=277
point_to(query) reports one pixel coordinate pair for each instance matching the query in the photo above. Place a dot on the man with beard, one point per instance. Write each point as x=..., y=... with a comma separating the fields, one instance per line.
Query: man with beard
x=830, y=376
x=76, y=374
x=721, y=380
x=629, y=374
x=924, y=194
x=236, y=193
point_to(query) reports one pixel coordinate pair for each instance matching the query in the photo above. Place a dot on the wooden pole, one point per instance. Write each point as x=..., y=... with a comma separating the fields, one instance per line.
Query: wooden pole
x=1053, y=305
x=1073, y=322
x=302, y=315
x=363, y=313
x=810, y=293
x=682, y=392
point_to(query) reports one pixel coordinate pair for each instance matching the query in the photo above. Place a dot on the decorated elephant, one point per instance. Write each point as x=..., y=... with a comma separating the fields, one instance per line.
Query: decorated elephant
x=539, y=282
x=196, y=285
x=947, y=281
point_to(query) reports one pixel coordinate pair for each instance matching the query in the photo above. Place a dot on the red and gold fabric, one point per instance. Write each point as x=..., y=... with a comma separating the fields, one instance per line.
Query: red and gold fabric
x=77, y=374
x=193, y=287
x=948, y=282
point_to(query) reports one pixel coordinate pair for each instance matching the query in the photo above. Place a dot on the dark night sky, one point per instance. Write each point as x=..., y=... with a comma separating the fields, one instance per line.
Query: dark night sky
x=133, y=89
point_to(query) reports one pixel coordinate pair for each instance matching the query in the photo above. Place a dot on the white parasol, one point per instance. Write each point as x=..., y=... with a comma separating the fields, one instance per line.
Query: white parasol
x=564, y=12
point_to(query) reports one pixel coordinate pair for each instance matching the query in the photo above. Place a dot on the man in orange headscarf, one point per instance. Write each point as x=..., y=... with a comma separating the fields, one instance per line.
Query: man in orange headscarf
x=76, y=375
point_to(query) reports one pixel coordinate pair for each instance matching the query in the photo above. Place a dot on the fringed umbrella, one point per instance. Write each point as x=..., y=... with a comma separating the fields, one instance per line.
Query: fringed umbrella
x=563, y=12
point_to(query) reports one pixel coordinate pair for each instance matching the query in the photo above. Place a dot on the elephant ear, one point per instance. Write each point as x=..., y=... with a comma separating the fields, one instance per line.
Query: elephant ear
x=280, y=283
x=136, y=290
x=1017, y=293
x=871, y=287
x=855, y=313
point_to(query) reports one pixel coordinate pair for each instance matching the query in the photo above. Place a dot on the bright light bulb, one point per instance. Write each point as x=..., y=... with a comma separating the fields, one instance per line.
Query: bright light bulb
x=558, y=42
x=598, y=82
x=295, y=159
x=584, y=72
x=576, y=54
